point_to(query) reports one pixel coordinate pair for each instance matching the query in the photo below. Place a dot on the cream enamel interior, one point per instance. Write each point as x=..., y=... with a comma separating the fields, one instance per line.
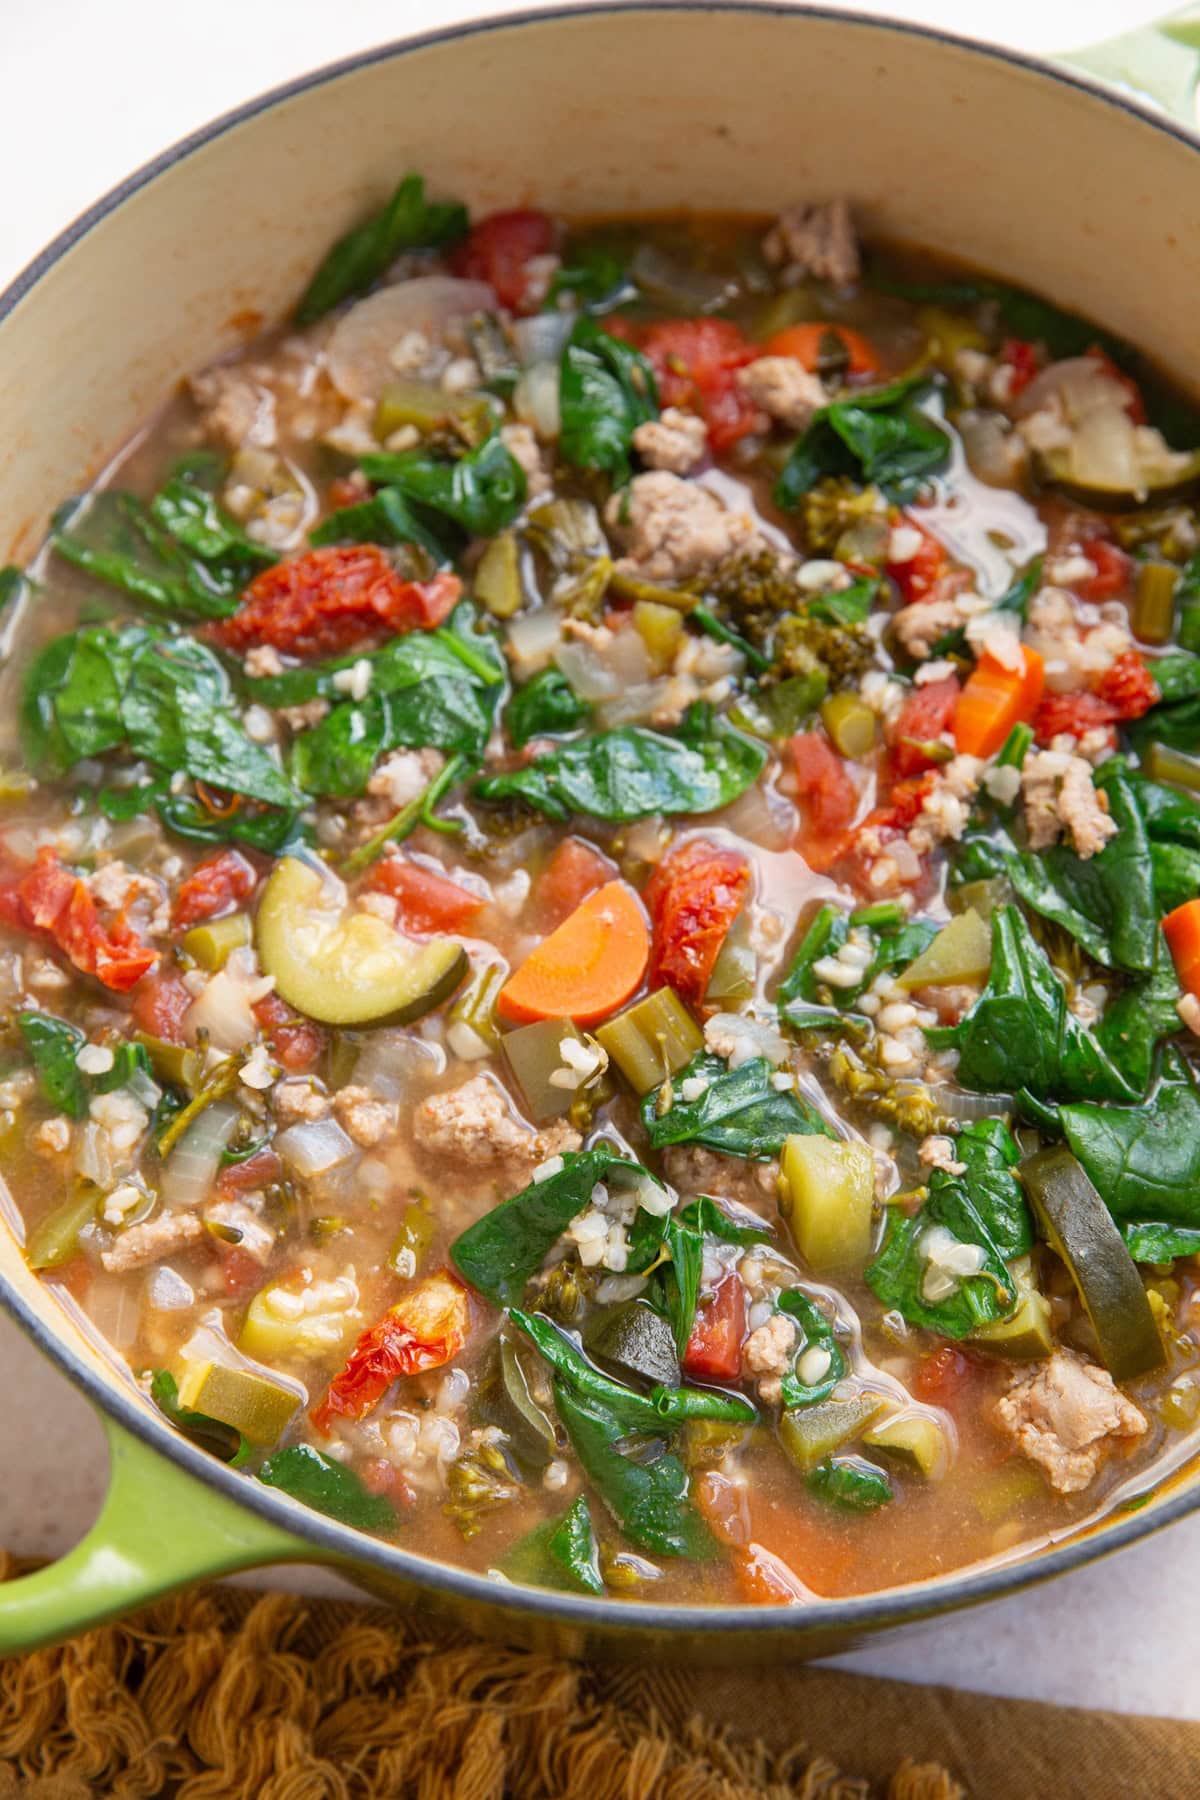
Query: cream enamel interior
x=624, y=111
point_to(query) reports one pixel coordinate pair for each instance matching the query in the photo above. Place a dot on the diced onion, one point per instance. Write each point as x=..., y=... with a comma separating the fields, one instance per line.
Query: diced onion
x=967, y=1108
x=540, y=339
x=750, y=1038
x=167, y=1291
x=536, y=399
x=633, y=705
x=588, y=672
x=532, y=638
x=391, y=1059
x=193, y=1164
x=360, y=350
x=762, y=816
x=314, y=1147
x=1104, y=450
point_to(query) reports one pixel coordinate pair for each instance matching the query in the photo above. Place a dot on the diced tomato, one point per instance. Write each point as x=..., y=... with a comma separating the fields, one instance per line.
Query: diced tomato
x=945, y=1377
x=261, y=1170
x=379, y=1476
x=217, y=885
x=240, y=1271
x=927, y=712
x=427, y=902
x=918, y=576
x=903, y=803
x=574, y=871
x=348, y=490
x=1128, y=686
x=696, y=362
x=1114, y=569
x=1022, y=358
x=693, y=897
x=159, y=1004
x=296, y=1042
x=423, y=1331
x=499, y=250
x=1071, y=715
x=714, y=1349
x=827, y=796
x=807, y=343
x=332, y=599
x=48, y=898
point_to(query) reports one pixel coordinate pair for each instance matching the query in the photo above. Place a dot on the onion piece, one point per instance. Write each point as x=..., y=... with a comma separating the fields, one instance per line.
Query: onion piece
x=536, y=399
x=391, y=1059
x=541, y=339
x=193, y=1164
x=532, y=639
x=314, y=1147
x=360, y=350
x=587, y=671
x=969, y=1108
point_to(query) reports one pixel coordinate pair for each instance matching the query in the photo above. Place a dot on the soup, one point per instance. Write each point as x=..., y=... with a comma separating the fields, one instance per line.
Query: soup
x=599, y=901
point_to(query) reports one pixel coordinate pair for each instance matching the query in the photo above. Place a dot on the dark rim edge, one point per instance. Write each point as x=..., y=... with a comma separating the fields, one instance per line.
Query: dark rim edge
x=337, y=1543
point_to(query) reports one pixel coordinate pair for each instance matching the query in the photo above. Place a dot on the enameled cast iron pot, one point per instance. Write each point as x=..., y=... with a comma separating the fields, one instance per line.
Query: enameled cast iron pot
x=1074, y=181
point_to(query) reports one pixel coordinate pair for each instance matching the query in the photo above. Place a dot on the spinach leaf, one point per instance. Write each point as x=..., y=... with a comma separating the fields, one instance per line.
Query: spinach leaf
x=630, y=772
x=214, y=1435
x=53, y=1045
x=1176, y=874
x=500, y=1251
x=607, y=389
x=1171, y=815
x=408, y=222
x=740, y=1113
x=815, y=1333
x=269, y=829
x=679, y=1280
x=544, y=707
x=562, y=1553
x=850, y=1483
x=328, y=1487
x=1176, y=718
x=722, y=1220
x=481, y=491
x=622, y=1444
x=847, y=606
x=1144, y=1160
x=182, y=554
x=983, y=1208
x=1020, y=1034
x=635, y=1412
x=386, y=518
x=826, y=933
x=1135, y=1023
x=881, y=437
x=1161, y=1243
x=596, y=276
x=13, y=584
x=1107, y=901
x=166, y=699
x=894, y=946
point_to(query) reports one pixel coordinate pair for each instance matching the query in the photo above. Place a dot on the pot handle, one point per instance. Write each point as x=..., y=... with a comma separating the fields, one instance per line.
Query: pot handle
x=1157, y=64
x=159, y=1528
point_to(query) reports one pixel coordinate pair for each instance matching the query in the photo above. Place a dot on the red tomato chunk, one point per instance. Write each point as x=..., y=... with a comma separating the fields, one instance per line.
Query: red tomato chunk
x=50, y=899
x=217, y=885
x=499, y=251
x=714, y=1349
x=693, y=897
x=426, y=902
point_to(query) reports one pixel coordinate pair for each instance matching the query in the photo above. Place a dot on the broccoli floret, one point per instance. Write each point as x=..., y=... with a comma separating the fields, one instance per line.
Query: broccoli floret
x=758, y=595
x=479, y=1482
x=803, y=641
x=907, y=1105
x=831, y=507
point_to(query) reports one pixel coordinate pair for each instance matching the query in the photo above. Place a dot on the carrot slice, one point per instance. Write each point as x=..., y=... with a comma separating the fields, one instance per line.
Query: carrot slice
x=995, y=699
x=586, y=968
x=1181, y=929
x=804, y=342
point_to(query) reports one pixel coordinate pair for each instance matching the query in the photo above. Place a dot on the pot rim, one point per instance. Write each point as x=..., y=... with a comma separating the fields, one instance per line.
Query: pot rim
x=332, y=1541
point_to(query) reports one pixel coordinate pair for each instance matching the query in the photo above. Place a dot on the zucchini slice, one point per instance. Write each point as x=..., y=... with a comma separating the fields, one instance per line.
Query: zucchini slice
x=344, y=967
x=1079, y=1227
x=1175, y=476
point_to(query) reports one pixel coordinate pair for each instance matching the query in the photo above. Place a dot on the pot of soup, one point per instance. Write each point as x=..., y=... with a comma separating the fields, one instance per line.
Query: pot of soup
x=600, y=848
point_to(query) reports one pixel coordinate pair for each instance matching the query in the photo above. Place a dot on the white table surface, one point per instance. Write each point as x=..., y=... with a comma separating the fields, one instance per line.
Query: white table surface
x=92, y=90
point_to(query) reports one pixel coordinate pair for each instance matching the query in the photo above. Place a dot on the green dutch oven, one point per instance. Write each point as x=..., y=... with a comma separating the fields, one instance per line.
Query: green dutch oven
x=1074, y=179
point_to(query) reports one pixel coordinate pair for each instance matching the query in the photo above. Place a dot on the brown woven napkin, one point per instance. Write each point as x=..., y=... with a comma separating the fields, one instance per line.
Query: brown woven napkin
x=222, y=1694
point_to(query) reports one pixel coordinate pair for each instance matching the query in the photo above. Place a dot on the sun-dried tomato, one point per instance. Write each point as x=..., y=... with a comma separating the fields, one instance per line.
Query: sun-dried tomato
x=48, y=898
x=693, y=897
x=216, y=885
x=333, y=599
x=424, y=1330
x=1022, y=358
x=1128, y=686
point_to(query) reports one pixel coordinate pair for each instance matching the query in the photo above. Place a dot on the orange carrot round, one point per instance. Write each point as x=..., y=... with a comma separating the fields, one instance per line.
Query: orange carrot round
x=995, y=699
x=586, y=968
x=1181, y=929
x=804, y=343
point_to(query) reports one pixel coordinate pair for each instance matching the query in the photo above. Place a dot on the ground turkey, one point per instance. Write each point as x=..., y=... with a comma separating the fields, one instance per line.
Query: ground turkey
x=817, y=240
x=1066, y=1414
x=235, y=409
x=784, y=388
x=473, y=1131
x=674, y=529
x=675, y=441
x=1059, y=795
x=151, y=1241
x=694, y=1170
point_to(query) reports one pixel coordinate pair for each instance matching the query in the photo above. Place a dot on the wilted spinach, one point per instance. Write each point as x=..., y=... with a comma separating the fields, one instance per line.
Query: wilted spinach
x=545, y=707
x=481, y=491
x=54, y=1044
x=386, y=518
x=1144, y=1160
x=814, y=1332
x=607, y=389
x=881, y=437
x=740, y=1112
x=630, y=772
x=562, y=1553
x=408, y=222
x=328, y=1487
